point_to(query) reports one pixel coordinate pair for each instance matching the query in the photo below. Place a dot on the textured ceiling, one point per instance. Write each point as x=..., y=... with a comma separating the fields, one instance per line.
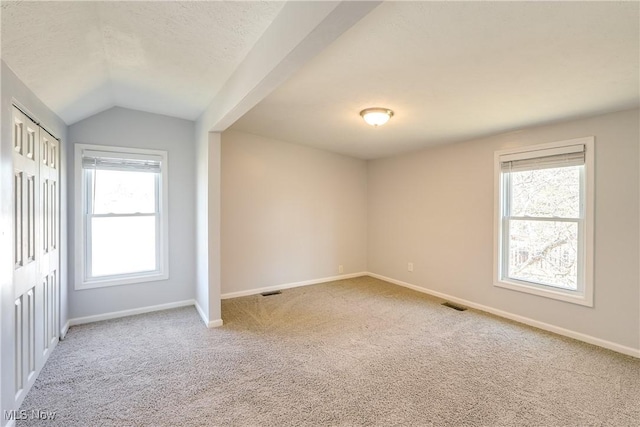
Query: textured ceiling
x=450, y=70
x=170, y=58
x=457, y=70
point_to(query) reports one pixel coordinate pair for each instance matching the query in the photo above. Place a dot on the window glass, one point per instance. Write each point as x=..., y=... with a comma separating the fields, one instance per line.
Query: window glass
x=119, y=192
x=544, y=252
x=551, y=192
x=122, y=245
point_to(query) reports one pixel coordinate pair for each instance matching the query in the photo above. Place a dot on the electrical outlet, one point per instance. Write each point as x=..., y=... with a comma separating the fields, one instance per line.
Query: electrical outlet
x=340, y=269
x=410, y=266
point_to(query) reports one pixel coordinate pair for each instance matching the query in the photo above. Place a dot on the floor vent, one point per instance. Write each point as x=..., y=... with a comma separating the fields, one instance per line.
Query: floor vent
x=454, y=306
x=268, y=294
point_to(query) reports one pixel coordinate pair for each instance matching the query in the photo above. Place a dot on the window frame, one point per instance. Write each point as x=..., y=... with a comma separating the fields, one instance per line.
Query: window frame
x=82, y=236
x=584, y=294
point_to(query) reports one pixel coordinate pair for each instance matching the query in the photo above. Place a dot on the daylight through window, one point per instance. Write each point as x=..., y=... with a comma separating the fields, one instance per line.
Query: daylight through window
x=542, y=214
x=123, y=224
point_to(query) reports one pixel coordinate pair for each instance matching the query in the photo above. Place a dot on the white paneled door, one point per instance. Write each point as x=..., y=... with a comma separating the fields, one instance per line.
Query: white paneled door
x=36, y=228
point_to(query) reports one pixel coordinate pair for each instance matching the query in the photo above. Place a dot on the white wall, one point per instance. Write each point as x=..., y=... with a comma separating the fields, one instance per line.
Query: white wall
x=202, y=220
x=289, y=213
x=207, y=239
x=214, y=227
x=435, y=208
x=14, y=90
x=130, y=128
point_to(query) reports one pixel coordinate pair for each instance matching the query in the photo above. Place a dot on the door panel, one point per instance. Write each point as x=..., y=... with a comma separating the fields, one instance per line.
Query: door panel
x=49, y=259
x=25, y=142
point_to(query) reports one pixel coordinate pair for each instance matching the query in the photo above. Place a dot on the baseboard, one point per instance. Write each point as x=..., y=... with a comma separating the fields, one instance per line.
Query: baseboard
x=201, y=312
x=214, y=323
x=65, y=329
x=629, y=351
x=290, y=285
x=207, y=322
x=125, y=313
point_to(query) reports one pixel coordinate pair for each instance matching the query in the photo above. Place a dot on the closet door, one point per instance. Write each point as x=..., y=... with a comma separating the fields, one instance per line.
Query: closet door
x=26, y=196
x=36, y=237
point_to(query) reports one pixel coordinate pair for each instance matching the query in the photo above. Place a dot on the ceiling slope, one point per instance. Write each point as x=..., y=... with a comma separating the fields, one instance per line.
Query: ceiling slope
x=169, y=58
x=299, y=33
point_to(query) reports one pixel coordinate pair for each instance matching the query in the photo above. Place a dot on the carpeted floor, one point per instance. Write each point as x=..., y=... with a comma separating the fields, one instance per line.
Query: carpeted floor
x=346, y=353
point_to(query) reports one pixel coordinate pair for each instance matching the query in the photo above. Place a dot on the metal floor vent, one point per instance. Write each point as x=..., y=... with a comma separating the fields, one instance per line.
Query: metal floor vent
x=454, y=306
x=268, y=294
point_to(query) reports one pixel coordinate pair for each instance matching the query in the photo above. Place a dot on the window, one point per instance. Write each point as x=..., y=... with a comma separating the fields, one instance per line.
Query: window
x=544, y=220
x=121, y=216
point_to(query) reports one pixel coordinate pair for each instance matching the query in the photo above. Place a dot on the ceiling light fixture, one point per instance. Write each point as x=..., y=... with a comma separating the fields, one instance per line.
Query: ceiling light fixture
x=376, y=116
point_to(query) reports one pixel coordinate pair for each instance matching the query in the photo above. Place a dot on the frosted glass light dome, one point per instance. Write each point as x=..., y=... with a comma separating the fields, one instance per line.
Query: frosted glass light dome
x=376, y=116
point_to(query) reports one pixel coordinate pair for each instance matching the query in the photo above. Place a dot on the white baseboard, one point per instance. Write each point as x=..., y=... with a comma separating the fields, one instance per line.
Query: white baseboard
x=201, y=312
x=132, y=312
x=65, y=329
x=215, y=323
x=209, y=323
x=291, y=285
x=521, y=319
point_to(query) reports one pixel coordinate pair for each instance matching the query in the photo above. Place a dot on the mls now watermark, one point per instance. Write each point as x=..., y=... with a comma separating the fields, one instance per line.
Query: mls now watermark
x=34, y=414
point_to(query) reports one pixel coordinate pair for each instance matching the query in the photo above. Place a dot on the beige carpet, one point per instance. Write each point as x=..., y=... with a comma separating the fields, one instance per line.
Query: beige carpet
x=347, y=353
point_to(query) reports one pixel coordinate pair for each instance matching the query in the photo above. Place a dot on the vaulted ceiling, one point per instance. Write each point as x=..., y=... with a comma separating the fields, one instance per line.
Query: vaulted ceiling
x=163, y=57
x=450, y=70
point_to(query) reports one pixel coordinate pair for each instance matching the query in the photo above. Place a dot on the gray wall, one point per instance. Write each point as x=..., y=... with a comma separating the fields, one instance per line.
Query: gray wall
x=14, y=90
x=289, y=213
x=435, y=208
x=130, y=128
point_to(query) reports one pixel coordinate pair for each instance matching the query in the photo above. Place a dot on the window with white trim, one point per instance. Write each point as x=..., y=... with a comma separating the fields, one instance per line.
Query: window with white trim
x=121, y=216
x=544, y=220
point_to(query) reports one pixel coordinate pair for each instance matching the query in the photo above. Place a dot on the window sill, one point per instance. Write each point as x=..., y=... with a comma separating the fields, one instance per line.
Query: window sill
x=127, y=280
x=547, y=292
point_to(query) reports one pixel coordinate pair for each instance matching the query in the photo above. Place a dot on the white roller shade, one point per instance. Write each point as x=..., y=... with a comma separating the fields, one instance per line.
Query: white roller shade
x=107, y=160
x=543, y=159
